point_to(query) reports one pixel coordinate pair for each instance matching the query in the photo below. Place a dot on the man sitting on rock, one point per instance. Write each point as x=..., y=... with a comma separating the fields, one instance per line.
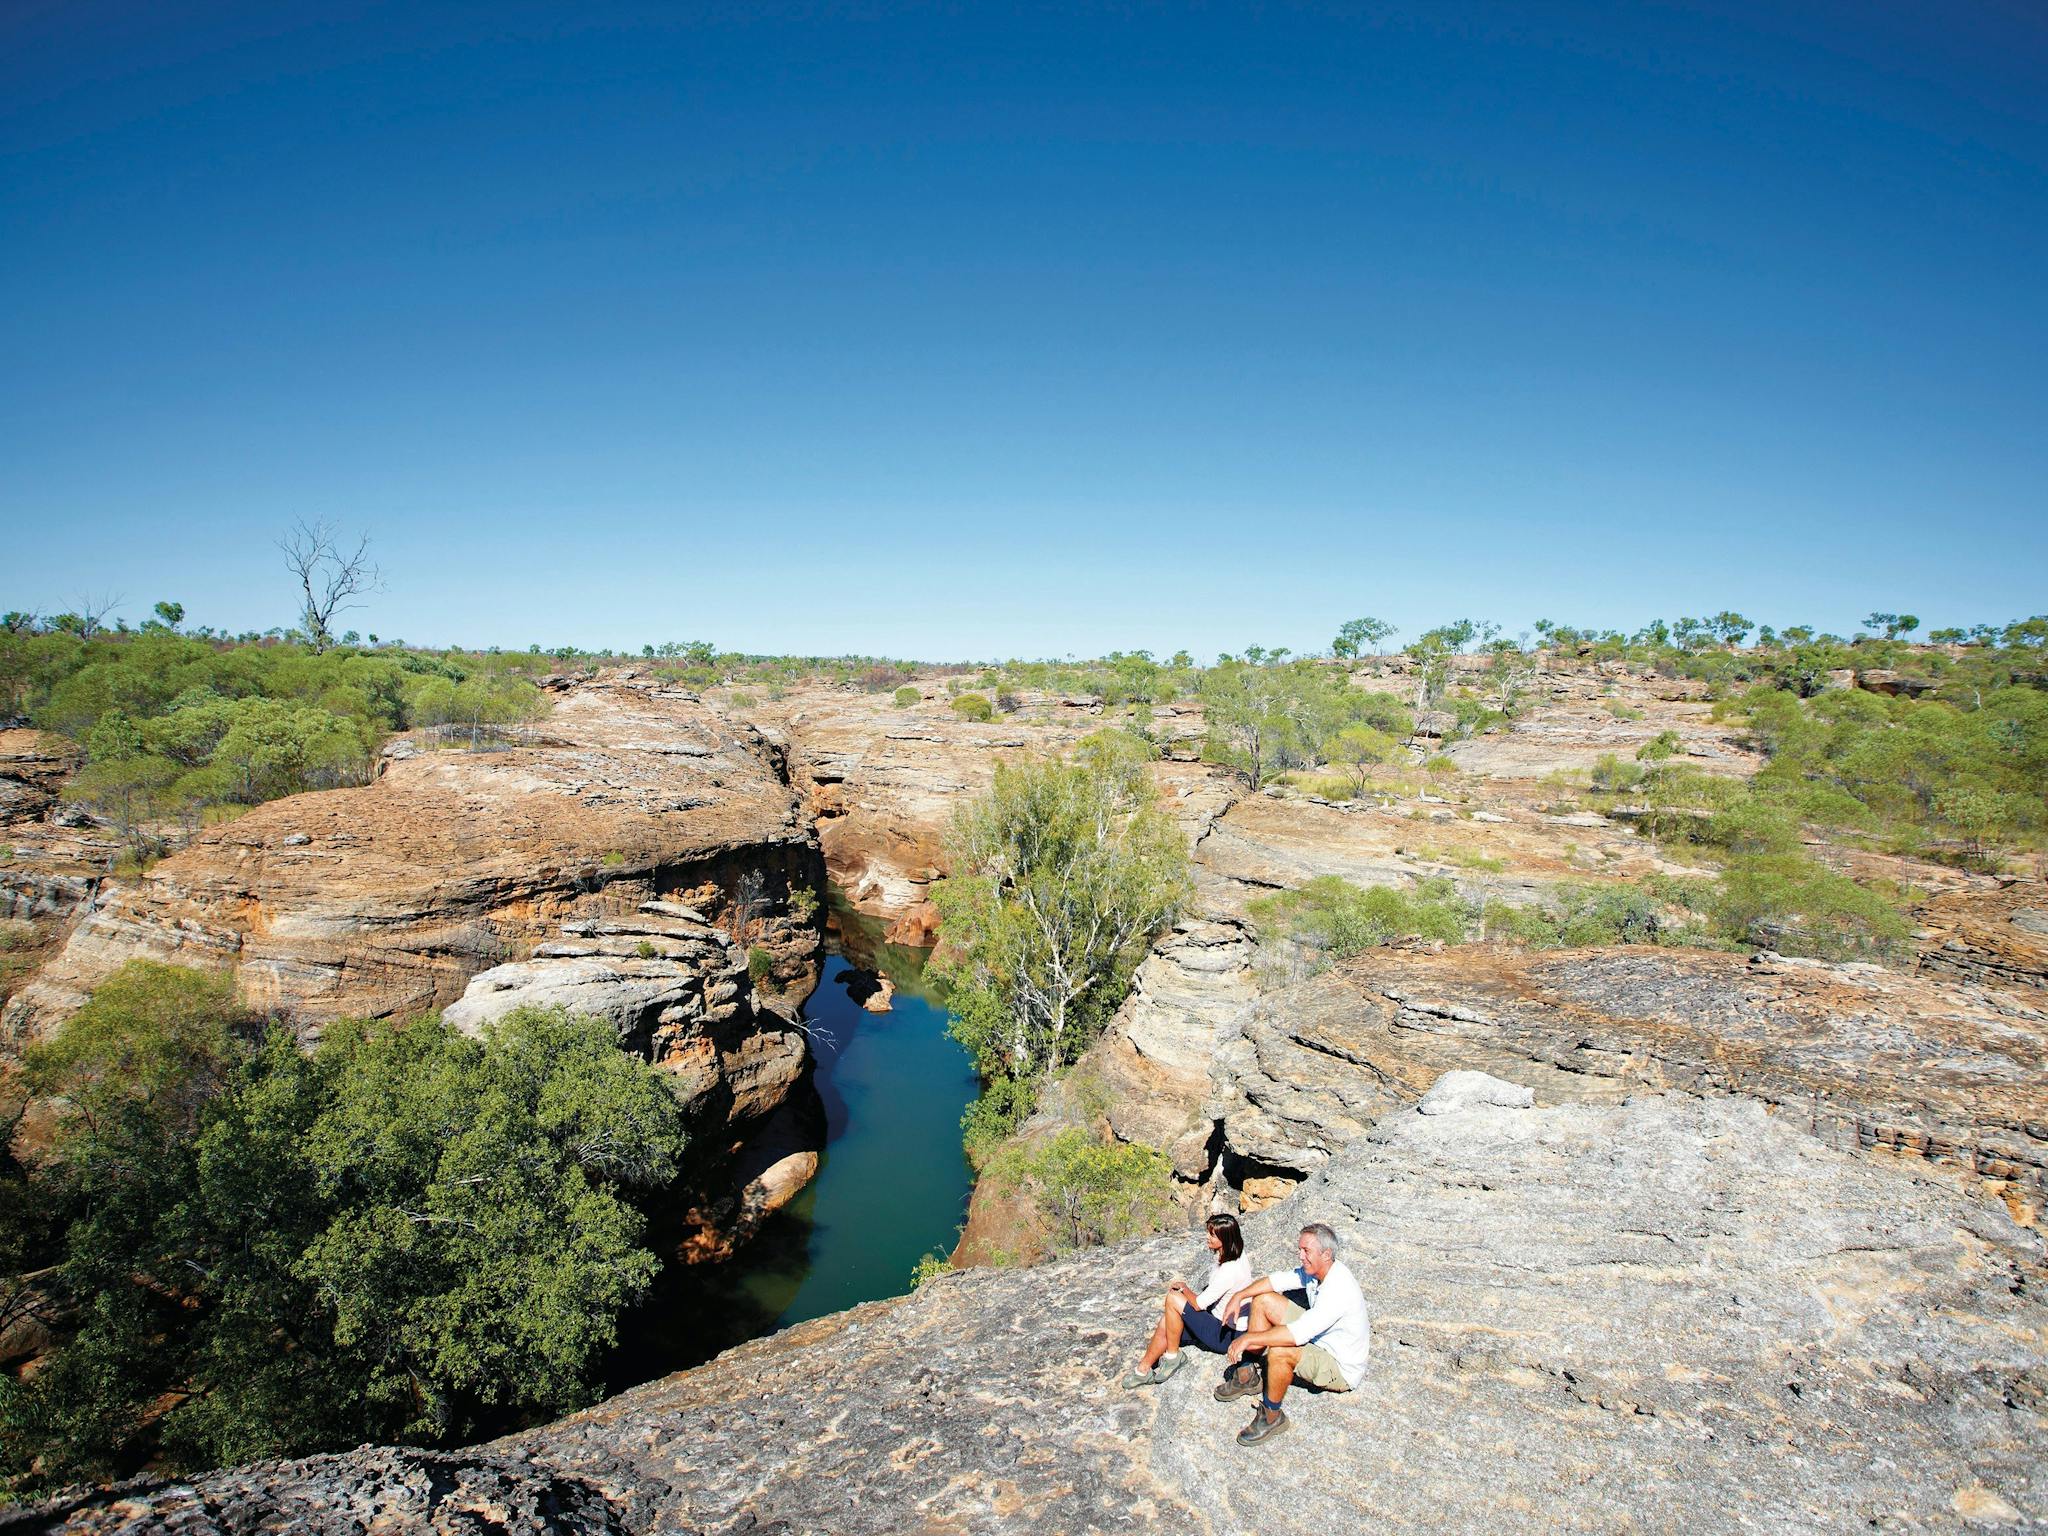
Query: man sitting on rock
x=1324, y=1345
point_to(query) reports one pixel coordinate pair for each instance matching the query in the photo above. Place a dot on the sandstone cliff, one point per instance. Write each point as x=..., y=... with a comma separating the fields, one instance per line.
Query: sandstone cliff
x=628, y=862
x=1669, y=1314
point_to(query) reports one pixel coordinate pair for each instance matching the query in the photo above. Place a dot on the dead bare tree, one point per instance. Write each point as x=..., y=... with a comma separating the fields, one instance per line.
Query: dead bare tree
x=327, y=577
x=93, y=608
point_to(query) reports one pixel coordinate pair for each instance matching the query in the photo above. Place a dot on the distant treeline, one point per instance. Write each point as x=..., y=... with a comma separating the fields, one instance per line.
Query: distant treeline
x=183, y=725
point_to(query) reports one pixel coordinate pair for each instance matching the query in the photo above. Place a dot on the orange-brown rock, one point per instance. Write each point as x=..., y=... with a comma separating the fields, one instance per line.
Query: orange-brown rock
x=386, y=900
x=884, y=783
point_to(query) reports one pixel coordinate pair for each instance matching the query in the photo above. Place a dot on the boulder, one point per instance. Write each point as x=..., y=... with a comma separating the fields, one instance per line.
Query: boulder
x=1456, y=1092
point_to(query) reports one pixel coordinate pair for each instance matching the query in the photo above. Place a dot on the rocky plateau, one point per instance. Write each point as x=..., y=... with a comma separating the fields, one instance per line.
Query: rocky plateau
x=1763, y=1256
x=1667, y=1313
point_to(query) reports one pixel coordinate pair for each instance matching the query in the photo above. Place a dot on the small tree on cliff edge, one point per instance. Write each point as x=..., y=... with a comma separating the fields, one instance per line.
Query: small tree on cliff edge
x=1063, y=872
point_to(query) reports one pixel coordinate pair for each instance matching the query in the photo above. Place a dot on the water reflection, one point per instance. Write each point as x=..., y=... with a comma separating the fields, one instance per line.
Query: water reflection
x=892, y=1185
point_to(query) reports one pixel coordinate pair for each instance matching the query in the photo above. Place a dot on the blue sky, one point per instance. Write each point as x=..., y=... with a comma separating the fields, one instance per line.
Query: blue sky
x=957, y=331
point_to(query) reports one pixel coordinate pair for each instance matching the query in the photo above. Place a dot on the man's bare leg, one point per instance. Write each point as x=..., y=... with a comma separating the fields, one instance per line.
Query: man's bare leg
x=1268, y=1311
x=1281, y=1360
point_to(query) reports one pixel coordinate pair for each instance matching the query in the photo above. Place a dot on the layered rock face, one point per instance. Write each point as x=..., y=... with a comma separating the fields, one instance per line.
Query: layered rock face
x=51, y=856
x=1867, y=1059
x=625, y=863
x=1998, y=936
x=1669, y=1314
x=884, y=782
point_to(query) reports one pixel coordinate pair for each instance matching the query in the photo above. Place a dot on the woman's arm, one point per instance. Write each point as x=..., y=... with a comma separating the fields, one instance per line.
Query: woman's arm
x=1245, y=1293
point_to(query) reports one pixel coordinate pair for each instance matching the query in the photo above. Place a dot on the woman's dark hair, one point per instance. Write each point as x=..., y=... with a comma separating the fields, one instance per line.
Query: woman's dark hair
x=1225, y=1228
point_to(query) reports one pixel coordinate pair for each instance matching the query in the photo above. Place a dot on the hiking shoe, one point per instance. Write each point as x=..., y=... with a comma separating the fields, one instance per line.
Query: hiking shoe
x=1240, y=1380
x=1263, y=1428
x=1167, y=1365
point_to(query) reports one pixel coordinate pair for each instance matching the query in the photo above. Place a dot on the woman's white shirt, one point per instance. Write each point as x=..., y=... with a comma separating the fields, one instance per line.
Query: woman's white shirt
x=1225, y=1280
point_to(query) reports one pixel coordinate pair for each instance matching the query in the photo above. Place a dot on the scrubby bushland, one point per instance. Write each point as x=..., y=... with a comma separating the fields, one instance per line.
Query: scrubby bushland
x=1062, y=875
x=1777, y=900
x=1946, y=775
x=1338, y=919
x=1088, y=1191
x=1265, y=719
x=251, y=1251
x=176, y=727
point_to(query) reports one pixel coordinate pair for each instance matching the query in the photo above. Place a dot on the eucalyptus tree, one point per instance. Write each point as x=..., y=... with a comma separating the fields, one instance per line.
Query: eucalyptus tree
x=1062, y=874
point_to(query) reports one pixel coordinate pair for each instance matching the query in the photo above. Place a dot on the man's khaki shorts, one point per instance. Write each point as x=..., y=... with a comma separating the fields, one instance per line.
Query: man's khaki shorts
x=1317, y=1366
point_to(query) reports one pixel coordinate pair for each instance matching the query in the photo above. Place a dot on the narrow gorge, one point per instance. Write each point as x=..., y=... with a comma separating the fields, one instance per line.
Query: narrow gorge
x=1739, y=1241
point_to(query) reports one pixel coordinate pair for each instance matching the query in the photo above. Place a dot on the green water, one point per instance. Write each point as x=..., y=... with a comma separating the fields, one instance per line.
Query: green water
x=892, y=1185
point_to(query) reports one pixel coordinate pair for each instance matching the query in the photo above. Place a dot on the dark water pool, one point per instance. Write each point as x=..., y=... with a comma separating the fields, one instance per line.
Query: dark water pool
x=892, y=1185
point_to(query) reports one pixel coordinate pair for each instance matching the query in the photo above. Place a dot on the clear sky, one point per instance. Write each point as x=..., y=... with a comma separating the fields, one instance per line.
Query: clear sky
x=955, y=331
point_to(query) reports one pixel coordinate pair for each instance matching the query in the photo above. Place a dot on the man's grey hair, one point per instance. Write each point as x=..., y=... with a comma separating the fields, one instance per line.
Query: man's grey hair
x=1323, y=1237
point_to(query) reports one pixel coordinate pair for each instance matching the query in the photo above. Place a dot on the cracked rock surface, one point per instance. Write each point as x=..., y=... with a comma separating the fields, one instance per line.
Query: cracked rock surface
x=1924, y=1066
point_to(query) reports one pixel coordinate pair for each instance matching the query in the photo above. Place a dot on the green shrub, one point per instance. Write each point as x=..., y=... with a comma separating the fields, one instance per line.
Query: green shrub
x=1580, y=915
x=907, y=696
x=1472, y=859
x=760, y=965
x=739, y=699
x=1089, y=1192
x=1659, y=747
x=929, y=1268
x=1005, y=1103
x=973, y=706
x=1792, y=904
x=1340, y=919
x=266, y=1253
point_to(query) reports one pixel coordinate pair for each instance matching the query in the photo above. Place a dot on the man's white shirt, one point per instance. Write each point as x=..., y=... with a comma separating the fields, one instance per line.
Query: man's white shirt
x=1335, y=1318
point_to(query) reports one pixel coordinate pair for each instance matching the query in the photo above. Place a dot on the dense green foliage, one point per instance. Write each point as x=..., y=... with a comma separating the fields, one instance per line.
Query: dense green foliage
x=1086, y=1190
x=1339, y=919
x=404, y=1234
x=1962, y=774
x=176, y=727
x=1062, y=874
x=1264, y=719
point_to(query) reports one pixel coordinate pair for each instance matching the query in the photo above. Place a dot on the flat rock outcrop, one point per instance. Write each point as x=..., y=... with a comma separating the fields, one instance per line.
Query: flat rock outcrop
x=1669, y=1314
x=628, y=864
x=1863, y=1057
x=1998, y=936
x=678, y=991
x=386, y=900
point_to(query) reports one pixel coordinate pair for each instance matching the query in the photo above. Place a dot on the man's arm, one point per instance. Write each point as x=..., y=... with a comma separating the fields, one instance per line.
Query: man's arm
x=1260, y=1338
x=1239, y=1297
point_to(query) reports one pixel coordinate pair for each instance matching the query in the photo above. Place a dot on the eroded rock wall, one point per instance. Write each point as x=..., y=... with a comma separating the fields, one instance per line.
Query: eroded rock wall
x=629, y=861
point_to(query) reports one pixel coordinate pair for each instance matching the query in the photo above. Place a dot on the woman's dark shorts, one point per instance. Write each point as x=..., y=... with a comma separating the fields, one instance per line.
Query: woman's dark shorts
x=1204, y=1331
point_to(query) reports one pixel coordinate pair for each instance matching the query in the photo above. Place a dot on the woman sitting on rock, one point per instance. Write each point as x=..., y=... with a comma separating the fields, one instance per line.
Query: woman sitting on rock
x=1198, y=1316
